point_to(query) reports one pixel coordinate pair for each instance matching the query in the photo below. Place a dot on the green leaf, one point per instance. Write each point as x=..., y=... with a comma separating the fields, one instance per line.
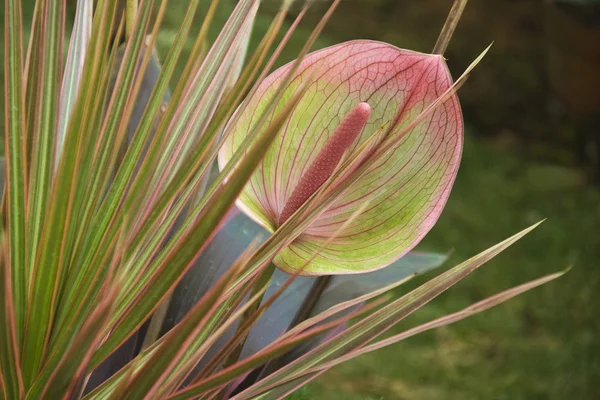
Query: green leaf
x=16, y=182
x=46, y=82
x=177, y=255
x=72, y=367
x=10, y=371
x=220, y=379
x=469, y=311
x=79, y=40
x=51, y=258
x=174, y=126
x=184, y=345
x=186, y=248
x=82, y=286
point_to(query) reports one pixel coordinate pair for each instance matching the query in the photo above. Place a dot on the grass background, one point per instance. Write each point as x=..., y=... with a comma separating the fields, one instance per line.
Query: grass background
x=542, y=345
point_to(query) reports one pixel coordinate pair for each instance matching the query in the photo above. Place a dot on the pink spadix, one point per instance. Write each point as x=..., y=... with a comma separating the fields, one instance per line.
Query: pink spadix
x=329, y=157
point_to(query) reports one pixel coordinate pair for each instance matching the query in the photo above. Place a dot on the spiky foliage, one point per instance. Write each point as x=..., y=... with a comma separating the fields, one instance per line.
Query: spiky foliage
x=109, y=202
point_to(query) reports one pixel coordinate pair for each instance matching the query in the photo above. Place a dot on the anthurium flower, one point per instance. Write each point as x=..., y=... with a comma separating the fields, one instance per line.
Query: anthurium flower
x=356, y=88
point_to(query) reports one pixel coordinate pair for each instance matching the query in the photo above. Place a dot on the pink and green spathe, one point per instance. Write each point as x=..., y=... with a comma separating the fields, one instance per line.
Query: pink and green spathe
x=356, y=88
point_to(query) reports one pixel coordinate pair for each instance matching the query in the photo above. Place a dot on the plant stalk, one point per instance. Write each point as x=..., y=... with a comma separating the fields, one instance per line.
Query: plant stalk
x=449, y=26
x=311, y=300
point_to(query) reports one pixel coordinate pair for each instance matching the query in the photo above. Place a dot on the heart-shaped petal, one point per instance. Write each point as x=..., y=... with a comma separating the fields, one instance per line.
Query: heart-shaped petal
x=405, y=188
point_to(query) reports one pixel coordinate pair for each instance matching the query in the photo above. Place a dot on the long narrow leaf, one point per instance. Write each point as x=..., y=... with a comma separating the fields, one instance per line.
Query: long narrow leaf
x=79, y=290
x=47, y=83
x=222, y=378
x=16, y=183
x=49, y=262
x=280, y=388
x=469, y=311
x=375, y=324
x=74, y=67
x=177, y=342
x=187, y=249
x=94, y=244
x=10, y=370
x=74, y=362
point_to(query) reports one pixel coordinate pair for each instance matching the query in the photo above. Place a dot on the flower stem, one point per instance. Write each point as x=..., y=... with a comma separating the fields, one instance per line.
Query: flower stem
x=311, y=300
x=449, y=26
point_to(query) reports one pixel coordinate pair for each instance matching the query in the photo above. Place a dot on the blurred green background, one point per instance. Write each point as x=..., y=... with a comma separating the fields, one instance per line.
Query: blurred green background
x=532, y=112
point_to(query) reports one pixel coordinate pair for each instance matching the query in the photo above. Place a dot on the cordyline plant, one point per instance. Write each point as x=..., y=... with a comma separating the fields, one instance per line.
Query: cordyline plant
x=126, y=272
